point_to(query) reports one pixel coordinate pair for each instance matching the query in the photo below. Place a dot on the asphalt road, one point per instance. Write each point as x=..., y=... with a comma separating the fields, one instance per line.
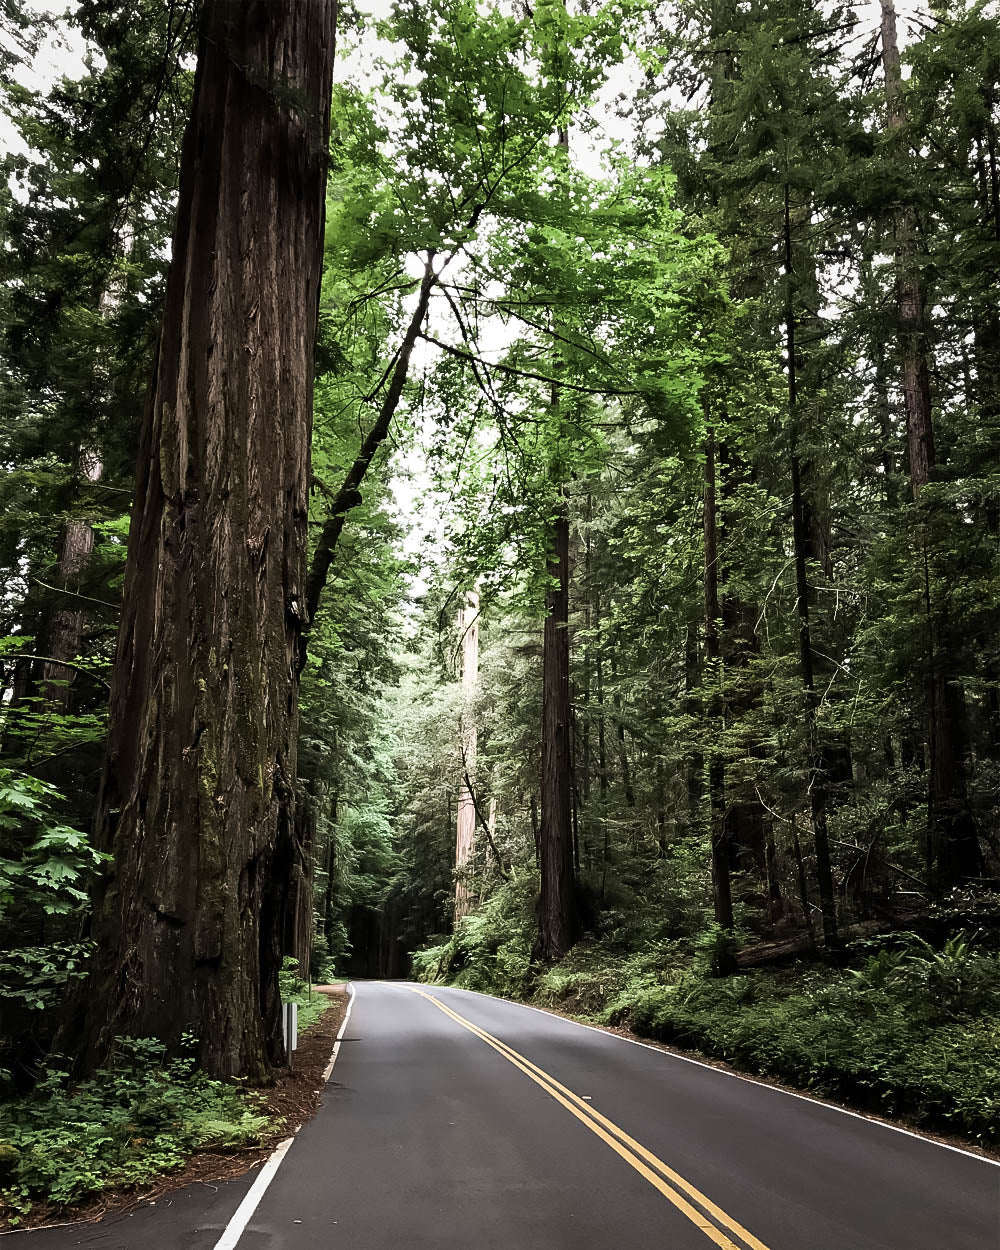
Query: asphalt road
x=456, y=1120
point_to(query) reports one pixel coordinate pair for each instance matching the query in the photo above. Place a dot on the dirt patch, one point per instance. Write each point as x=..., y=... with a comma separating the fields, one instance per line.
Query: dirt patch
x=292, y=1100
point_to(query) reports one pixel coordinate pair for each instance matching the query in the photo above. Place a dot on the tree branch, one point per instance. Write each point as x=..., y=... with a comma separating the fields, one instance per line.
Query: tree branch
x=349, y=496
x=523, y=373
x=504, y=872
x=51, y=659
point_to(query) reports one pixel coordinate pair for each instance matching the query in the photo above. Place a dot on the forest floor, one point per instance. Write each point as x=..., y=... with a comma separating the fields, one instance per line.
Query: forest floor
x=289, y=1103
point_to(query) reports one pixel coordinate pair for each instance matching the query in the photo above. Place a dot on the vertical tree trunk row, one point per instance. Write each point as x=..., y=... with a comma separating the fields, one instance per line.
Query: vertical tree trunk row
x=954, y=853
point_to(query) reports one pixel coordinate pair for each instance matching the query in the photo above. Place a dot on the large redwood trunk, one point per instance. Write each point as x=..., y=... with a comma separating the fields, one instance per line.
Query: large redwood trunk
x=197, y=800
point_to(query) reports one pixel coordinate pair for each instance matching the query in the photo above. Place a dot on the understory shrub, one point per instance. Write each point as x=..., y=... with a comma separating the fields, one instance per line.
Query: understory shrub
x=491, y=950
x=141, y=1116
x=862, y=1045
x=294, y=990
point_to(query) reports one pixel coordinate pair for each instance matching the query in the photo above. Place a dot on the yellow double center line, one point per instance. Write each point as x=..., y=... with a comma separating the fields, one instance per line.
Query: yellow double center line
x=670, y=1184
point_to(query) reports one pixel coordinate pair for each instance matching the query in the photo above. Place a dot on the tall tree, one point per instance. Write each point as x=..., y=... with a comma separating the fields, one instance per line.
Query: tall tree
x=954, y=853
x=465, y=820
x=197, y=799
x=721, y=884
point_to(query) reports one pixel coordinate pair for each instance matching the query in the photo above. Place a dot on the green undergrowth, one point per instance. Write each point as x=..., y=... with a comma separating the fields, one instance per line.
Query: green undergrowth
x=905, y=1029
x=294, y=990
x=311, y=1007
x=141, y=1116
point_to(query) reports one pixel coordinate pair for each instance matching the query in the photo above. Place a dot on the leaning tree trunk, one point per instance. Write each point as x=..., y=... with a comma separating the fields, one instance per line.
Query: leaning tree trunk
x=197, y=804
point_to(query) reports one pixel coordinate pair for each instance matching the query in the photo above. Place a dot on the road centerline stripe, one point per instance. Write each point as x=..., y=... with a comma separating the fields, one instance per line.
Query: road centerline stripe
x=633, y=1152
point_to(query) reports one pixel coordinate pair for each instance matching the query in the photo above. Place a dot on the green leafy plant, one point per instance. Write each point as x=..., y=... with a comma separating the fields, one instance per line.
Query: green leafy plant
x=140, y=1116
x=55, y=861
x=294, y=990
x=879, y=969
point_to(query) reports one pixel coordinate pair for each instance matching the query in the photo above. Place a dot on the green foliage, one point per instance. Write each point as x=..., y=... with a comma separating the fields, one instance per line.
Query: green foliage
x=595, y=328
x=716, y=948
x=491, y=950
x=294, y=990
x=37, y=976
x=51, y=873
x=45, y=872
x=139, y=1117
x=871, y=1040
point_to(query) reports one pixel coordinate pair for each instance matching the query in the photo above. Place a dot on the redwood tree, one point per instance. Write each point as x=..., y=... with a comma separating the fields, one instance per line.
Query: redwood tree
x=196, y=805
x=557, y=906
x=954, y=854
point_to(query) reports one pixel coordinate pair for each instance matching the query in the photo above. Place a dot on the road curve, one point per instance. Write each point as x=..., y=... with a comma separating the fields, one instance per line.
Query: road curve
x=458, y=1120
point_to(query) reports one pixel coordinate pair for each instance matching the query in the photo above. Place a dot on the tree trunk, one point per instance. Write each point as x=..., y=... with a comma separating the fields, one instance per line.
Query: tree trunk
x=692, y=708
x=197, y=797
x=953, y=844
x=66, y=627
x=817, y=773
x=558, y=922
x=913, y=336
x=465, y=823
x=557, y=905
x=738, y=644
x=616, y=699
x=330, y=892
x=721, y=883
x=298, y=937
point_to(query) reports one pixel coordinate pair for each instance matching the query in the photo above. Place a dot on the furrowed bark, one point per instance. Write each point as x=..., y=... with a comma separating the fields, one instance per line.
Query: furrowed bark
x=197, y=798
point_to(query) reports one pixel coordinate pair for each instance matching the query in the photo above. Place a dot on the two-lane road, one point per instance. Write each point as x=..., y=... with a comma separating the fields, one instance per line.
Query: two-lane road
x=457, y=1120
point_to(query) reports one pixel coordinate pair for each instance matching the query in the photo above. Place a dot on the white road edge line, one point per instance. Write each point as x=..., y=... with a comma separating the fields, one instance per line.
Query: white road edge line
x=340, y=1036
x=777, y=1089
x=244, y=1212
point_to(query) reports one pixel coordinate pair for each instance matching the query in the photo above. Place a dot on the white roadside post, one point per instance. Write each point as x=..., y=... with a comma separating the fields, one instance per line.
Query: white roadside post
x=290, y=1022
